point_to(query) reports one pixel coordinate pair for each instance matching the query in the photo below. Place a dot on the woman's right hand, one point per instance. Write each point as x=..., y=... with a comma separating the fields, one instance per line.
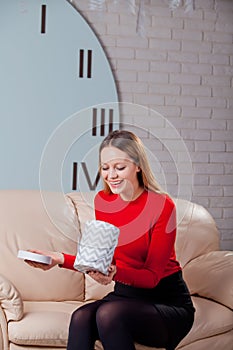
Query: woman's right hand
x=101, y=278
x=57, y=259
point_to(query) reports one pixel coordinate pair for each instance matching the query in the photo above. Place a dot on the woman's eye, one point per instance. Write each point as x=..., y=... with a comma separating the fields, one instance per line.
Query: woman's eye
x=116, y=168
x=121, y=168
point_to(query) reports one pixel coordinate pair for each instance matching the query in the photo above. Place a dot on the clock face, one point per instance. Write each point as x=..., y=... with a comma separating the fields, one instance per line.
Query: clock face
x=59, y=97
x=72, y=158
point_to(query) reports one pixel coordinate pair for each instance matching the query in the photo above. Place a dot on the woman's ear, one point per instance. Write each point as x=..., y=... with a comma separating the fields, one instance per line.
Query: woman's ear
x=138, y=169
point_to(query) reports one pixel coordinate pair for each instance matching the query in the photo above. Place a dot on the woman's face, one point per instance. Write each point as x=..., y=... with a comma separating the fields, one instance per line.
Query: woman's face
x=119, y=172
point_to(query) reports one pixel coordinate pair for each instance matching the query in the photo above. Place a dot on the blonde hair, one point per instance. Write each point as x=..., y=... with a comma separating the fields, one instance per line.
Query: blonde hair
x=131, y=144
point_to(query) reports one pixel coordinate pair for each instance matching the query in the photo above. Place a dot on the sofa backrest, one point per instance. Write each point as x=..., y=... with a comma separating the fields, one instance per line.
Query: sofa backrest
x=29, y=220
x=197, y=233
x=52, y=221
x=196, y=230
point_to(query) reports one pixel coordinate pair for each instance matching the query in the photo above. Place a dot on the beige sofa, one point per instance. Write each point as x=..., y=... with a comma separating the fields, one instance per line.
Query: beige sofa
x=35, y=306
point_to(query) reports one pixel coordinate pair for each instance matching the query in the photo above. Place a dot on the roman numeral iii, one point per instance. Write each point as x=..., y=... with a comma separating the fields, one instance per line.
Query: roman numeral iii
x=105, y=116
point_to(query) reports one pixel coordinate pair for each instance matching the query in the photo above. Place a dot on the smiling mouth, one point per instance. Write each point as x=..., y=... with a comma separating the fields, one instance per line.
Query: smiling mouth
x=115, y=184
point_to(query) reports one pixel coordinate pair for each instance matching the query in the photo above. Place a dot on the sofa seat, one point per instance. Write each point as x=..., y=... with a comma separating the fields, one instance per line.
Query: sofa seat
x=53, y=331
x=207, y=323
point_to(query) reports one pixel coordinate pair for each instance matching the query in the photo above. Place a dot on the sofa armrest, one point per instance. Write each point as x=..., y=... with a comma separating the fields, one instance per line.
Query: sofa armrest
x=10, y=300
x=4, y=342
x=210, y=276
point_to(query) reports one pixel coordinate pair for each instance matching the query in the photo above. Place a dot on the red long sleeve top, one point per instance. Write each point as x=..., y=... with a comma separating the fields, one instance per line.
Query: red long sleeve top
x=145, y=252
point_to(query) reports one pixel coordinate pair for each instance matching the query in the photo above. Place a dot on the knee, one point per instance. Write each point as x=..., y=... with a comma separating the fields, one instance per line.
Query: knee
x=106, y=316
x=79, y=316
x=103, y=314
x=76, y=316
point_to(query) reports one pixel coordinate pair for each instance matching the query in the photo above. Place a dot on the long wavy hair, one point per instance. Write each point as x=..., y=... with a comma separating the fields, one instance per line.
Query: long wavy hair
x=131, y=144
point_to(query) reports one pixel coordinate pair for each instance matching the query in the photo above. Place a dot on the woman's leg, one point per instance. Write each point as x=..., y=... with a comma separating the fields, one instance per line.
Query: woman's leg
x=121, y=323
x=82, y=330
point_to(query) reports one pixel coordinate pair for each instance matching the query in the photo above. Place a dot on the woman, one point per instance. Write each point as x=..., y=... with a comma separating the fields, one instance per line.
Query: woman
x=150, y=303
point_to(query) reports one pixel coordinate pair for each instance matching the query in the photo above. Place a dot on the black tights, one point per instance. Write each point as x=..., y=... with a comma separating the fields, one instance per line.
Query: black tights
x=120, y=323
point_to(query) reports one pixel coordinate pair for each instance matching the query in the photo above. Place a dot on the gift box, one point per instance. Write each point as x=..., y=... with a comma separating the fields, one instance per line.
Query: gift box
x=96, y=246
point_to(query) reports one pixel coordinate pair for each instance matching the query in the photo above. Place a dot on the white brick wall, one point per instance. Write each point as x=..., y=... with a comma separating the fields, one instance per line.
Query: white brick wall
x=183, y=70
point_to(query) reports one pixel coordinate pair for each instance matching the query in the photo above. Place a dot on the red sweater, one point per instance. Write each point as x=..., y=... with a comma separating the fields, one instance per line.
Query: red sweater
x=145, y=251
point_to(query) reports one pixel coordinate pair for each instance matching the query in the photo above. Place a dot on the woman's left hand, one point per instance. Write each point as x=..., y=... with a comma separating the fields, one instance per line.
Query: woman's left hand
x=101, y=278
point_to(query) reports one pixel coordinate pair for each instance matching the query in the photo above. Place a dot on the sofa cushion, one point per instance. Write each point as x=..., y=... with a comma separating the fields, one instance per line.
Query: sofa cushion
x=94, y=290
x=48, y=328
x=46, y=323
x=28, y=221
x=84, y=205
x=43, y=324
x=19, y=347
x=221, y=341
x=194, y=239
x=210, y=319
x=218, y=286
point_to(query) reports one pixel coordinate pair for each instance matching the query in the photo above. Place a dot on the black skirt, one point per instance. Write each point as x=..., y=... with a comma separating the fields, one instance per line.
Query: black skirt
x=172, y=300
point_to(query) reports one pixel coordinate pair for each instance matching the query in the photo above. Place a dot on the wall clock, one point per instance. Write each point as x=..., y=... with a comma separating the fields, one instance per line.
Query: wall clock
x=59, y=97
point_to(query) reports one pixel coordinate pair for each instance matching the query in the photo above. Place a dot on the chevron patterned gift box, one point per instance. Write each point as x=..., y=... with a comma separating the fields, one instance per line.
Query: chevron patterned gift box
x=96, y=246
